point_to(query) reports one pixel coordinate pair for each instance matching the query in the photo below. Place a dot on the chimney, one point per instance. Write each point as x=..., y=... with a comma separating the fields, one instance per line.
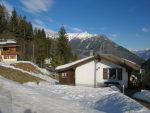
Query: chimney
x=91, y=52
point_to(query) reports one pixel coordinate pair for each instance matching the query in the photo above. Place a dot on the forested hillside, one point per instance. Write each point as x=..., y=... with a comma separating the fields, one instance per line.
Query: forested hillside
x=34, y=46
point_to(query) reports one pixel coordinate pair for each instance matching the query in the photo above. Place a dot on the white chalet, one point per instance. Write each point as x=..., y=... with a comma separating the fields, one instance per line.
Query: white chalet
x=97, y=71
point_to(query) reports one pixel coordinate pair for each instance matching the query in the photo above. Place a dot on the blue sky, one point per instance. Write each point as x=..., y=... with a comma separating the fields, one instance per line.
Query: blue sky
x=126, y=22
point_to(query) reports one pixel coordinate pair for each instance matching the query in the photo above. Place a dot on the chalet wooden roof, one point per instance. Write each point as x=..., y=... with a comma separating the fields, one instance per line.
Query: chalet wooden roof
x=8, y=43
x=109, y=57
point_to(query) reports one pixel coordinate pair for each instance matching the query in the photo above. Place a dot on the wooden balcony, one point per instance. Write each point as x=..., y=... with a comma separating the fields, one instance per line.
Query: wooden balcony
x=10, y=53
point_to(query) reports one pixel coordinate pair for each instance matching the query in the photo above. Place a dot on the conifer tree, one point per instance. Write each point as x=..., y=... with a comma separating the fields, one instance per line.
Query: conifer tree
x=3, y=18
x=64, y=49
x=13, y=21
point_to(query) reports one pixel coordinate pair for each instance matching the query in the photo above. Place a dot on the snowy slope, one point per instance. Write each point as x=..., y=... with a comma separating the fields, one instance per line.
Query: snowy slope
x=42, y=76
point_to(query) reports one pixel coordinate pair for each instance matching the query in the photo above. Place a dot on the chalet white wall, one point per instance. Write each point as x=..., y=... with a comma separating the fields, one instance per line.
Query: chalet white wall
x=105, y=64
x=84, y=74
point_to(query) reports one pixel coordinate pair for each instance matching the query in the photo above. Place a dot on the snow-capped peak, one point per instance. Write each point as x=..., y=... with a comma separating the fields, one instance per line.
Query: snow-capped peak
x=70, y=36
x=51, y=34
x=147, y=49
x=82, y=35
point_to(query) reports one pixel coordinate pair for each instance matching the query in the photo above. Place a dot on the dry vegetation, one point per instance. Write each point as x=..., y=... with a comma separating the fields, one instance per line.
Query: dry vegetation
x=56, y=77
x=27, y=67
x=18, y=76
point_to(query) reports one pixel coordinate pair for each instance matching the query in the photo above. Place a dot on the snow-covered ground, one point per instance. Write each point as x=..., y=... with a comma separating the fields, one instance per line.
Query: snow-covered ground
x=17, y=98
x=143, y=95
x=42, y=76
x=47, y=98
x=102, y=99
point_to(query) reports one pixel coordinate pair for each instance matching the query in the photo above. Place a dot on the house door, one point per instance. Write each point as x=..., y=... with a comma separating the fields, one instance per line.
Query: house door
x=71, y=79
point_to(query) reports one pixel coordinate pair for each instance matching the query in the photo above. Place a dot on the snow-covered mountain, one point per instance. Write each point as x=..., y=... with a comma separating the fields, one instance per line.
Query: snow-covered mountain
x=145, y=54
x=81, y=43
x=51, y=34
x=83, y=35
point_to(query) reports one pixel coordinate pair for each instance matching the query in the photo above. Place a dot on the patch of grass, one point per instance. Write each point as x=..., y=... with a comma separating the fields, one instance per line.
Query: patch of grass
x=18, y=76
x=27, y=67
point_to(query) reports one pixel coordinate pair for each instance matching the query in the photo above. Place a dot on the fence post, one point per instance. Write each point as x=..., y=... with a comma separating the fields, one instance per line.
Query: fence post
x=123, y=88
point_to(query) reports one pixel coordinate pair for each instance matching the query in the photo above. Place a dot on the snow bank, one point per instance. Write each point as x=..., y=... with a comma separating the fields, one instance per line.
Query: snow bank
x=143, y=95
x=101, y=99
x=42, y=76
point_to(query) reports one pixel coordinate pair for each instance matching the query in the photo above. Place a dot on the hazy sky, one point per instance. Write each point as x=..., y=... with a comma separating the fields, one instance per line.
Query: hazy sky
x=126, y=22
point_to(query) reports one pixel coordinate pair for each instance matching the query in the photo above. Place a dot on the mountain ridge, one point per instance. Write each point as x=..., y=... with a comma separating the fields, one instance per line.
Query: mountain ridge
x=145, y=54
x=82, y=43
x=82, y=35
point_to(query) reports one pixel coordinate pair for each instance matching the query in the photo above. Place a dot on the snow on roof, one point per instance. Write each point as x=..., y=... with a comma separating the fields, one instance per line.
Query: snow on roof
x=109, y=57
x=8, y=41
x=72, y=63
x=128, y=60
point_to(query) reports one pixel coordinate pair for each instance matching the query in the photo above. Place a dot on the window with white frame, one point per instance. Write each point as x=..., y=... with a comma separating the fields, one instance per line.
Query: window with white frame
x=64, y=75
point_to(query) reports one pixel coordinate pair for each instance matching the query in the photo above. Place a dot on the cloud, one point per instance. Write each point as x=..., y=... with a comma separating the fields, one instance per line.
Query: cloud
x=132, y=49
x=137, y=35
x=113, y=36
x=39, y=22
x=73, y=29
x=144, y=29
x=41, y=25
x=103, y=28
x=50, y=20
x=9, y=7
x=37, y=6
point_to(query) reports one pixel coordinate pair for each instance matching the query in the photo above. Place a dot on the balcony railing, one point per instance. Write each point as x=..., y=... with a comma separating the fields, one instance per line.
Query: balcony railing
x=10, y=53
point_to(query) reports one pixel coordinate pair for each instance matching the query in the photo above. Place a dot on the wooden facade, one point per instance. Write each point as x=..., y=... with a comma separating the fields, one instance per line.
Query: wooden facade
x=67, y=77
x=92, y=71
x=9, y=52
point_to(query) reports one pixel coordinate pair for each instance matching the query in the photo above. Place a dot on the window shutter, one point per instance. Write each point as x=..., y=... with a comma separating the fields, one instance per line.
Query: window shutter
x=104, y=73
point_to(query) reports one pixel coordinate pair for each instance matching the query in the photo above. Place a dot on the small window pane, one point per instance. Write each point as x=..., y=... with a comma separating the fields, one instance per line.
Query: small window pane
x=64, y=75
